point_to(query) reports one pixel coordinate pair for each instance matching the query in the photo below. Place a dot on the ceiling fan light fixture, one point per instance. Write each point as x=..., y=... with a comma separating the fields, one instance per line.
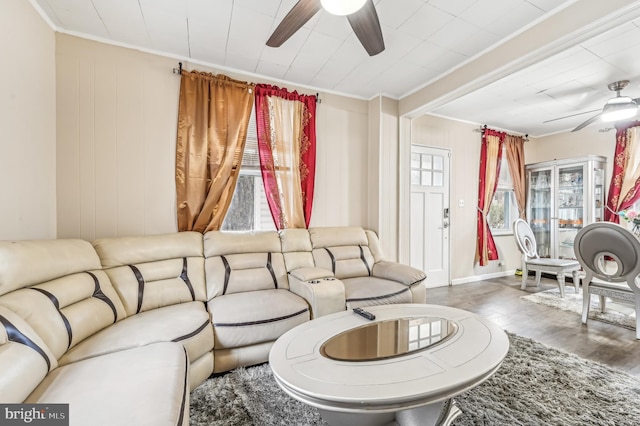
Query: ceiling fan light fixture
x=342, y=7
x=619, y=108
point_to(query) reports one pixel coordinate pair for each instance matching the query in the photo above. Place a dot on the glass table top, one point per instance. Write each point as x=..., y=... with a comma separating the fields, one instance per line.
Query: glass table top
x=388, y=339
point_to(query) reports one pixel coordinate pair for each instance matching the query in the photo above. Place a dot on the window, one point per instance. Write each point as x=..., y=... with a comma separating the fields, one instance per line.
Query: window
x=503, y=210
x=249, y=210
x=427, y=169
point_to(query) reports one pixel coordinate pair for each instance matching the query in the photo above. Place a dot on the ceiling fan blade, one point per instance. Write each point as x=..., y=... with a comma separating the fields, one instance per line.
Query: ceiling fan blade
x=572, y=115
x=586, y=123
x=366, y=26
x=295, y=19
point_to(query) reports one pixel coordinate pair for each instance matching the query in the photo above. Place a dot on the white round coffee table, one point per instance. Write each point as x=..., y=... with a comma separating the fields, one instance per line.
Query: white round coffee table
x=402, y=368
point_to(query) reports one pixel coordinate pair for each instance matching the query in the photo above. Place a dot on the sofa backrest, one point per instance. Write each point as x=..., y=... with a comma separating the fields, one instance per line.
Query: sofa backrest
x=153, y=271
x=374, y=246
x=24, y=358
x=296, y=248
x=237, y=262
x=342, y=250
x=57, y=287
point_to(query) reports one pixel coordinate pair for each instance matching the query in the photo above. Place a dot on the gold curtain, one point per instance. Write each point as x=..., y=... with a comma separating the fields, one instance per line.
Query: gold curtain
x=514, y=146
x=286, y=118
x=213, y=116
x=632, y=166
x=493, y=157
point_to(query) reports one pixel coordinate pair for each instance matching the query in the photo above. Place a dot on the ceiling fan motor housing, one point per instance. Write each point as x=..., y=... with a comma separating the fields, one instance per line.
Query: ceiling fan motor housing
x=620, y=107
x=617, y=86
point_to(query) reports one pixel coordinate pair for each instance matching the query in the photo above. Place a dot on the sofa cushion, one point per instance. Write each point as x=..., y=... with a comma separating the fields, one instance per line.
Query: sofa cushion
x=24, y=358
x=67, y=310
x=142, y=386
x=153, y=271
x=368, y=291
x=338, y=236
x=248, y=318
x=296, y=248
x=25, y=263
x=404, y=274
x=345, y=261
x=187, y=323
x=241, y=262
x=120, y=251
x=342, y=250
x=218, y=243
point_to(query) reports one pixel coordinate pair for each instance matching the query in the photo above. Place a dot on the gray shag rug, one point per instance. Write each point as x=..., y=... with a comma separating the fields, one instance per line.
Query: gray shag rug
x=617, y=313
x=536, y=385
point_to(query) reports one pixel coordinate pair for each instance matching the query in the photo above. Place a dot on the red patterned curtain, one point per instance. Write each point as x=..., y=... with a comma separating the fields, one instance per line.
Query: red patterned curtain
x=490, y=155
x=624, y=189
x=286, y=124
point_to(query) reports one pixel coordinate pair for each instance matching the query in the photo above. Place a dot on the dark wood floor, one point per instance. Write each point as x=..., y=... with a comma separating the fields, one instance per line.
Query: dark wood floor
x=499, y=300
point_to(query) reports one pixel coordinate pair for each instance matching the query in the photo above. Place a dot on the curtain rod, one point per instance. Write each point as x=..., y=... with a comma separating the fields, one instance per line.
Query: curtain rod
x=179, y=72
x=483, y=128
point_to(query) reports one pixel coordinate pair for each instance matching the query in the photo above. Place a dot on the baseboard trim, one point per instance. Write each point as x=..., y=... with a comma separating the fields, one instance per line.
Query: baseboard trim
x=483, y=277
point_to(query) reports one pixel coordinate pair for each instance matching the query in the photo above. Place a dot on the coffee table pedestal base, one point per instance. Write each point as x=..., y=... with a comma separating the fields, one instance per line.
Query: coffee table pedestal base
x=438, y=414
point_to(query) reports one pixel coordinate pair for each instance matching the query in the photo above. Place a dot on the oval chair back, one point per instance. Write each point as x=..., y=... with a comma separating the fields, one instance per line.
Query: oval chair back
x=525, y=239
x=531, y=261
x=605, y=240
x=610, y=253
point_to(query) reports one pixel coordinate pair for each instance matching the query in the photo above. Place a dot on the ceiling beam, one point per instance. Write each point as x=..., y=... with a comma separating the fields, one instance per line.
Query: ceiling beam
x=562, y=29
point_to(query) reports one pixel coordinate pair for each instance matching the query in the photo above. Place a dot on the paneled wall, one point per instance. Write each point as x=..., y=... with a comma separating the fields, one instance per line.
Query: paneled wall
x=117, y=113
x=341, y=188
x=383, y=173
x=27, y=124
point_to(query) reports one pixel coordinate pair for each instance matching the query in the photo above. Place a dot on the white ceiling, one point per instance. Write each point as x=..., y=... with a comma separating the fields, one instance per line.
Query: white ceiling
x=425, y=40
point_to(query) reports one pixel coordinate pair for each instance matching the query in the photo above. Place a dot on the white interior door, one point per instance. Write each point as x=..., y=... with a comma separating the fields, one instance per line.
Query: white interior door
x=430, y=213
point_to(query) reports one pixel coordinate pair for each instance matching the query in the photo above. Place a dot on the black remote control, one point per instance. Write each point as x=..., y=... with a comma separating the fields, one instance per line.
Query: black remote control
x=368, y=315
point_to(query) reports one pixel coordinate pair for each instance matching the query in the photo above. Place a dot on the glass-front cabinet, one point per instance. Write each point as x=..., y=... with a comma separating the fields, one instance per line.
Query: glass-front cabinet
x=562, y=197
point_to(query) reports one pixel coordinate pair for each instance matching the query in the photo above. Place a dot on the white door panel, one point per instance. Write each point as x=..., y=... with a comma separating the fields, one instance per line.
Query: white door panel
x=430, y=213
x=418, y=254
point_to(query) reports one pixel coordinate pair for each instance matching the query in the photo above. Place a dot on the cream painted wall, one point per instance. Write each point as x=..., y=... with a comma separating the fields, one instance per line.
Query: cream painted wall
x=588, y=141
x=27, y=124
x=117, y=113
x=464, y=144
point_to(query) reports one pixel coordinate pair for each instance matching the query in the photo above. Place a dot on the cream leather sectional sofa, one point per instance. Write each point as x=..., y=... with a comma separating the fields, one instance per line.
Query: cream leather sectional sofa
x=122, y=329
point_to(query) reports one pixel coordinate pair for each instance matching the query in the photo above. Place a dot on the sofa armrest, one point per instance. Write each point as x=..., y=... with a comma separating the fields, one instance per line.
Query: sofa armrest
x=324, y=295
x=309, y=274
x=403, y=274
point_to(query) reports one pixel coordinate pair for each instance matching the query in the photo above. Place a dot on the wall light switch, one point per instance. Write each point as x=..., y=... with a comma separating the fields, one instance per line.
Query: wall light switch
x=461, y=203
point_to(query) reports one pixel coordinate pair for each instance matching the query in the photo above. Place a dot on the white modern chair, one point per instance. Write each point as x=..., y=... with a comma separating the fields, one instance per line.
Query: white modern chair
x=610, y=256
x=532, y=262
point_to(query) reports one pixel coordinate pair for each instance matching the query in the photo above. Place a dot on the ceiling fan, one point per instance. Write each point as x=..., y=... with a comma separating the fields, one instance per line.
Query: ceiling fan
x=618, y=108
x=361, y=14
